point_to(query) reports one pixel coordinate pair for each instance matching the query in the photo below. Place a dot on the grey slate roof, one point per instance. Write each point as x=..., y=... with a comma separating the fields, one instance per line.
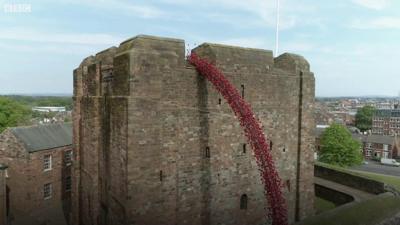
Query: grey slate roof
x=42, y=137
x=373, y=138
x=381, y=139
x=359, y=137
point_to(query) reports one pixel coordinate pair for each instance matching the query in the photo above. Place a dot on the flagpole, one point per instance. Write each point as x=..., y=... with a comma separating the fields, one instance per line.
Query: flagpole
x=277, y=29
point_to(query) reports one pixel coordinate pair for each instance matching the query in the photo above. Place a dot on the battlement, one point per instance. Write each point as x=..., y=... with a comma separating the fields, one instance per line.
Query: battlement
x=170, y=53
x=225, y=54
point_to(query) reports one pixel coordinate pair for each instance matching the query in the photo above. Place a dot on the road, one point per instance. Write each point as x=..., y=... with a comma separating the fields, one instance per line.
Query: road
x=376, y=167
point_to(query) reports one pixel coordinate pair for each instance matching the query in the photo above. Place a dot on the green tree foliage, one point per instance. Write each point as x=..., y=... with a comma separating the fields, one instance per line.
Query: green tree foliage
x=364, y=118
x=339, y=148
x=12, y=113
x=32, y=101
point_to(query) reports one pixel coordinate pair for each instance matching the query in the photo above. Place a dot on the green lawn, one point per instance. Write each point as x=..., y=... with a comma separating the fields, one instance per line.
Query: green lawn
x=322, y=205
x=369, y=212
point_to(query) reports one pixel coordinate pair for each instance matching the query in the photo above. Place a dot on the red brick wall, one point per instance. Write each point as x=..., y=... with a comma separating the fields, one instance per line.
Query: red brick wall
x=27, y=177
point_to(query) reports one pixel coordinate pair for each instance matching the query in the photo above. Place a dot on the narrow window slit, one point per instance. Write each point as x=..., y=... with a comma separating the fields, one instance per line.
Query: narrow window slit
x=207, y=152
x=243, y=201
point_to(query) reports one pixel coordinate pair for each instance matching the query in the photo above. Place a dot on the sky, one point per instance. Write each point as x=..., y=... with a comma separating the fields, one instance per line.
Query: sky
x=352, y=46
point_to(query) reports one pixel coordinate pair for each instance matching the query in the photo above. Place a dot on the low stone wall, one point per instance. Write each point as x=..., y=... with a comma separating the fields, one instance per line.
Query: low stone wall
x=336, y=197
x=350, y=180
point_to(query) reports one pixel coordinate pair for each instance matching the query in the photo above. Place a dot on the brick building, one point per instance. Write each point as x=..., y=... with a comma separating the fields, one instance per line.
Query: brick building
x=386, y=122
x=39, y=174
x=372, y=146
x=379, y=146
x=156, y=144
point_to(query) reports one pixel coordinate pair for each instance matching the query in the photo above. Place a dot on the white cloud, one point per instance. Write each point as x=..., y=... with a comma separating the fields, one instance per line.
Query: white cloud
x=20, y=34
x=297, y=47
x=377, y=23
x=264, y=10
x=144, y=11
x=118, y=6
x=373, y=4
x=65, y=49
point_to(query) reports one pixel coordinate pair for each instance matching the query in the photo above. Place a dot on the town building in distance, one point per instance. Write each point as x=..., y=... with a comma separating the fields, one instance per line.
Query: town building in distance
x=49, y=109
x=379, y=146
x=386, y=121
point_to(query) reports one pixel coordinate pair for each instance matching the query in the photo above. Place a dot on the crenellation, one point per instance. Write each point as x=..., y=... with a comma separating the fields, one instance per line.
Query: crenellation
x=236, y=57
x=292, y=62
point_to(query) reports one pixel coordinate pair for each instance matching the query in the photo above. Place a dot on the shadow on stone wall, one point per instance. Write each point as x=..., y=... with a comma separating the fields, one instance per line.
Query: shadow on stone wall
x=350, y=180
x=336, y=197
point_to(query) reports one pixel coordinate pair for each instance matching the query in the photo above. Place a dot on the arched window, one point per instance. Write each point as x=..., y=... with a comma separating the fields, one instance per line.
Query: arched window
x=244, y=148
x=219, y=101
x=243, y=201
x=270, y=145
x=242, y=86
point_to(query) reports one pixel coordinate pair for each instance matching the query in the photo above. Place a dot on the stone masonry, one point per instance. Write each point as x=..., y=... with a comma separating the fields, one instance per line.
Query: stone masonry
x=154, y=143
x=3, y=195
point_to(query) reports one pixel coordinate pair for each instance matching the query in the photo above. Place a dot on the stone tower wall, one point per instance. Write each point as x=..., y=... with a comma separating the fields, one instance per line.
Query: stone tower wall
x=156, y=144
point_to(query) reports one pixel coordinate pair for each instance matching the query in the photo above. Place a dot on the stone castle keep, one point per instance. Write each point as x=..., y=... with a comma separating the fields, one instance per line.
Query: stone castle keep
x=155, y=144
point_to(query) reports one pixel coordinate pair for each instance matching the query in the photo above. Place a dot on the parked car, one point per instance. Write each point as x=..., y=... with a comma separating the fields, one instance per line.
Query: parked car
x=390, y=162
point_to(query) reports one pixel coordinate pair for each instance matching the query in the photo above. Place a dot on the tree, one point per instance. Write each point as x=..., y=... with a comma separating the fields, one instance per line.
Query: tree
x=364, y=118
x=339, y=148
x=12, y=113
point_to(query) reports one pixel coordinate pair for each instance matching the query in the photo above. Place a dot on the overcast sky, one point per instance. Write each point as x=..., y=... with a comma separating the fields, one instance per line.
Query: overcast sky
x=353, y=46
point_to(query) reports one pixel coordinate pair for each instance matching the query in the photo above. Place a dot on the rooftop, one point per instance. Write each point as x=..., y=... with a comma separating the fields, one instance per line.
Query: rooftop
x=375, y=138
x=42, y=137
x=387, y=113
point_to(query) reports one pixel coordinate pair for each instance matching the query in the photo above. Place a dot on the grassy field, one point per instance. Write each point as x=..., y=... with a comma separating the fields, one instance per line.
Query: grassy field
x=322, y=205
x=369, y=212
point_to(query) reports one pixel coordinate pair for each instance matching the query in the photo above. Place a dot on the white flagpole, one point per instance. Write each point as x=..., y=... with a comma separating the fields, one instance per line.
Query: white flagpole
x=277, y=29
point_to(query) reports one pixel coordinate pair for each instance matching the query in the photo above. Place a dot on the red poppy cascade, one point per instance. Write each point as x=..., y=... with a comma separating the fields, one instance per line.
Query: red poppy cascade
x=276, y=210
